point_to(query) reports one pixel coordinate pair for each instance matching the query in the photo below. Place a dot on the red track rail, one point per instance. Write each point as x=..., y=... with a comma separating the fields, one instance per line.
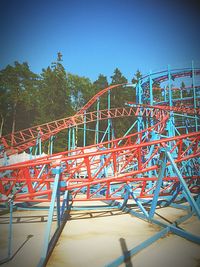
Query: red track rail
x=119, y=158
x=21, y=140
x=82, y=170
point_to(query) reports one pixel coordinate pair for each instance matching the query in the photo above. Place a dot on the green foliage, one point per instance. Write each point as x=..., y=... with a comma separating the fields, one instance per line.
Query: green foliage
x=29, y=99
x=118, y=96
x=17, y=85
x=53, y=95
x=100, y=83
x=81, y=90
x=136, y=77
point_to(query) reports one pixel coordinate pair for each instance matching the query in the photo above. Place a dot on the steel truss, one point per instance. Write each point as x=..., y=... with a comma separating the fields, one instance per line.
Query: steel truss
x=156, y=166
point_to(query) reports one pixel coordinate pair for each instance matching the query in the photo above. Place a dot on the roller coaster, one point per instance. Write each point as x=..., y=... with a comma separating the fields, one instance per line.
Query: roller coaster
x=155, y=163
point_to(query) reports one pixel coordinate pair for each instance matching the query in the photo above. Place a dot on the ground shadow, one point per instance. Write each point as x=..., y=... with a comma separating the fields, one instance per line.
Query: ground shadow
x=94, y=214
x=126, y=253
x=15, y=253
x=25, y=219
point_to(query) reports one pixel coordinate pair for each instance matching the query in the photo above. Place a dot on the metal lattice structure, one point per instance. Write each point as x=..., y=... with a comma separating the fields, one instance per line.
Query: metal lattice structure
x=157, y=164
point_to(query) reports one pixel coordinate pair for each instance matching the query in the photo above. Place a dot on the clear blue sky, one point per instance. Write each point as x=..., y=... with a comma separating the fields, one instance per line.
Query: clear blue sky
x=98, y=36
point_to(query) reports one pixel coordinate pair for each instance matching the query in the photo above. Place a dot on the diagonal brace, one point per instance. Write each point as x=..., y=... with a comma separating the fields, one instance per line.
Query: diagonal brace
x=184, y=185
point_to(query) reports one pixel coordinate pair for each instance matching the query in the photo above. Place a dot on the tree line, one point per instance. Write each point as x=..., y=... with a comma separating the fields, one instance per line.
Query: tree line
x=29, y=99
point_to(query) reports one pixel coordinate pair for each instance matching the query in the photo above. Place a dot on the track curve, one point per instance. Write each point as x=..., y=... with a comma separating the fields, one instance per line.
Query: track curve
x=103, y=174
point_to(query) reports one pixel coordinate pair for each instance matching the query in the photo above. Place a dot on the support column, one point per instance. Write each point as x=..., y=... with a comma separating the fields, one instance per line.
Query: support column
x=97, y=123
x=69, y=139
x=84, y=130
x=170, y=124
x=187, y=192
x=55, y=189
x=163, y=161
x=109, y=120
x=139, y=101
x=194, y=95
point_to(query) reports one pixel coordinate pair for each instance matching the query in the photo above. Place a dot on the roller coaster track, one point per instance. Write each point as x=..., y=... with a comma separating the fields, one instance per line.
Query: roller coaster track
x=118, y=158
x=21, y=140
x=102, y=174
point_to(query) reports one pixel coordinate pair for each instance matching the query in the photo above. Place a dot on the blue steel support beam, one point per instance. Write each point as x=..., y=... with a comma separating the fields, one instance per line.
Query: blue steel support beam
x=51, y=145
x=73, y=138
x=137, y=201
x=194, y=95
x=139, y=101
x=128, y=131
x=97, y=123
x=85, y=130
x=30, y=152
x=151, y=89
x=106, y=131
x=138, y=248
x=170, y=123
x=69, y=139
x=109, y=120
x=10, y=230
x=50, y=217
x=65, y=204
x=185, y=234
x=161, y=174
x=184, y=185
x=58, y=205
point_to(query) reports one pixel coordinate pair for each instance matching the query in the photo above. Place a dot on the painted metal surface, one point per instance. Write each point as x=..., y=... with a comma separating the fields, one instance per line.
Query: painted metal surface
x=157, y=165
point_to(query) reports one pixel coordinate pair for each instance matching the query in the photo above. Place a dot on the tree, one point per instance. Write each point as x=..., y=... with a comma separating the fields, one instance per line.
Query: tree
x=53, y=99
x=16, y=82
x=4, y=112
x=100, y=83
x=137, y=76
x=81, y=90
x=118, y=96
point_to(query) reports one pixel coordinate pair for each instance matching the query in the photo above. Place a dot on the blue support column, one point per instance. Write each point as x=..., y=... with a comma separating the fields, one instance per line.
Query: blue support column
x=5, y=159
x=151, y=89
x=85, y=130
x=194, y=95
x=30, y=152
x=109, y=120
x=184, y=185
x=51, y=145
x=65, y=204
x=170, y=124
x=128, y=131
x=137, y=201
x=58, y=205
x=165, y=94
x=181, y=93
x=50, y=217
x=69, y=139
x=139, y=101
x=163, y=161
x=10, y=230
x=73, y=138
x=40, y=146
x=97, y=123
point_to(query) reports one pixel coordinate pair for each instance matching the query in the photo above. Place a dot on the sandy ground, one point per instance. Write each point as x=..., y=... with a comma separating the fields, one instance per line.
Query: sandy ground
x=95, y=237
x=28, y=236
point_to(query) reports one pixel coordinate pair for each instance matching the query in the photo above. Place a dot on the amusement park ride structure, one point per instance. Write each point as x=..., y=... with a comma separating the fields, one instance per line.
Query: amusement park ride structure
x=157, y=164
